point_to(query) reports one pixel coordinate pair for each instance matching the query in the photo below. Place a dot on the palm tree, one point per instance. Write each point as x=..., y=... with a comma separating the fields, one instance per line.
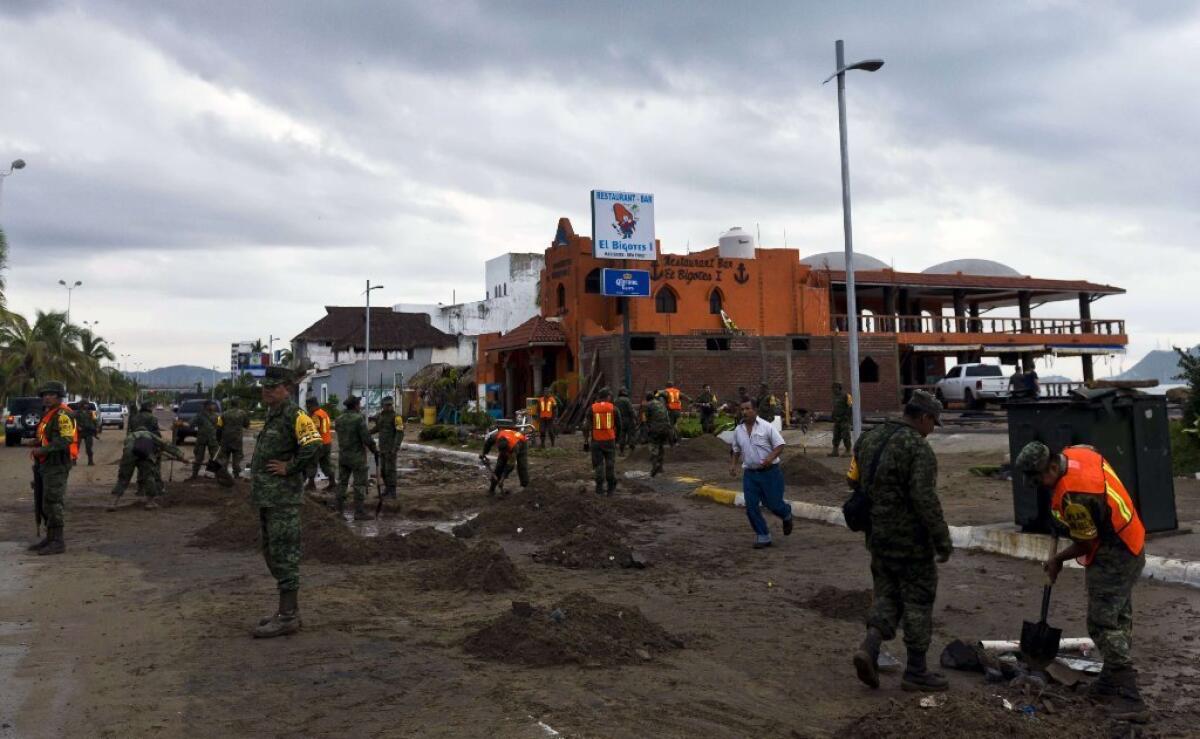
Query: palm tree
x=285, y=357
x=3, y=266
x=95, y=350
x=258, y=347
x=46, y=349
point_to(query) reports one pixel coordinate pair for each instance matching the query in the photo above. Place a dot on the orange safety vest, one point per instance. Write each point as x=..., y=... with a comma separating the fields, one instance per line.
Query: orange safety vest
x=673, y=403
x=324, y=426
x=1088, y=473
x=512, y=438
x=546, y=406
x=41, y=430
x=603, y=422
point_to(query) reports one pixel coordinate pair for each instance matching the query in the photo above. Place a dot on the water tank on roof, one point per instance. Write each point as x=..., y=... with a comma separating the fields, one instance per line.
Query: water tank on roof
x=736, y=244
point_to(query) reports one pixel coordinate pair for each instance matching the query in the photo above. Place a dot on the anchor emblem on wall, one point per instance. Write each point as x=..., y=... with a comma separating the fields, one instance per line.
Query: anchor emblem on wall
x=740, y=276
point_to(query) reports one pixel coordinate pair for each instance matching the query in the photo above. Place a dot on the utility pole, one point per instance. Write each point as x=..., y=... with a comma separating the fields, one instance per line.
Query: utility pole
x=367, y=366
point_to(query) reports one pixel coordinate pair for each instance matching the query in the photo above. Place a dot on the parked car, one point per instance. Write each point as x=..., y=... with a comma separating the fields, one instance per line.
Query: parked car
x=113, y=414
x=973, y=385
x=184, y=417
x=22, y=419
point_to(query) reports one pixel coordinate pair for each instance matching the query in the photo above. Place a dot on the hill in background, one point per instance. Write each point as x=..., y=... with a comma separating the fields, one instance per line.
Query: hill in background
x=1161, y=365
x=177, y=376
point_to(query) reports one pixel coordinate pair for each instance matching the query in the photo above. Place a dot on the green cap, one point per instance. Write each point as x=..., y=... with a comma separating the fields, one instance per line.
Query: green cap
x=55, y=387
x=925, y=403
x=388, y=400
x=1033, y=459
x=277, y=376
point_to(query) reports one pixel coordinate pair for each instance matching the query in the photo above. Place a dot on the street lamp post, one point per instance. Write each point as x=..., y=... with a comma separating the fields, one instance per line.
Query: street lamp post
x=70, y=289
x=869, y=65
x=16, y=164
x=367, y=365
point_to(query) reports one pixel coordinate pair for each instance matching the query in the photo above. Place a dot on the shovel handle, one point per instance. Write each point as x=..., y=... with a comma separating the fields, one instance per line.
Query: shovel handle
x=1047, y=586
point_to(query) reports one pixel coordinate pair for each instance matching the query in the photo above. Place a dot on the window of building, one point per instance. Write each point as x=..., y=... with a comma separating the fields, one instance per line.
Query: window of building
x=666, y=301
x=561, y=293
x=717, y=345
x=799, y=344
x=868, y=370
x=324, y=393
x=506, y=289
x=641, y=343
x=591, y=283
x=715, y=302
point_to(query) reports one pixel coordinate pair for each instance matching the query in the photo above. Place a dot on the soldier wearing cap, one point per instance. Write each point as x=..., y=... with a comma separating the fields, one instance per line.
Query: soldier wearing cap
x=58, y=446
x=285, y=447
x=627, y=434
x=87, y=418
x=390, y=427
x=353, y=442
x=897, y=469
x=843, y=407
x=1108, y=538
x=143, y=419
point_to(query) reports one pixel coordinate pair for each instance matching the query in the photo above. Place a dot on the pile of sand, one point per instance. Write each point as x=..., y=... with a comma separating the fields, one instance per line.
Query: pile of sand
x=544, y=511
x=840, y=605
x=484, y=567
x=577, y=630
x=325, y=538
x=587, y=547
x=200, y=493
x=805, y=471
x=699, y=449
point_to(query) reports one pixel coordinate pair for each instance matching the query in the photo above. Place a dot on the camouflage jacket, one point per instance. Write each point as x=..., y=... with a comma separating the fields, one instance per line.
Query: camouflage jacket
x=143, y=420
x=767, y=406
x=55, y=436
x=85, y=419
x=231, y=426
x=160, y=446
x=707, y=402
x=288, y=435
x=842, y=407
x=353, y=438
x=390, y=428
x=657, y=418
x=625, y=409
x=206, y=427
x=906, y=515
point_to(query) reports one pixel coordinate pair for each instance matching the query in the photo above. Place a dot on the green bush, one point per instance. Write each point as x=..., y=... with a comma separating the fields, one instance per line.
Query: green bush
x=438, y=432
x=478, y=420
x=689, y=425
x=1185, y=451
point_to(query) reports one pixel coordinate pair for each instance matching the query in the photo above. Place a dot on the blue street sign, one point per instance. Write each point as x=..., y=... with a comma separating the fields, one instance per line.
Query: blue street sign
x=625, y=283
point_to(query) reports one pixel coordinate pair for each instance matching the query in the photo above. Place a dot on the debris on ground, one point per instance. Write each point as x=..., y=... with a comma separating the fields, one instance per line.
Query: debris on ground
x=804, y=471
x=589, y=547
x=578, y=629
x=993, y=471
x=484, y=568
x=703, y=448
x=838, y=604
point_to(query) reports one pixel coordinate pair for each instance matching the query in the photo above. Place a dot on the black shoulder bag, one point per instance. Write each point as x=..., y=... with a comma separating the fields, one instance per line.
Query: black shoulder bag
x=857, y=508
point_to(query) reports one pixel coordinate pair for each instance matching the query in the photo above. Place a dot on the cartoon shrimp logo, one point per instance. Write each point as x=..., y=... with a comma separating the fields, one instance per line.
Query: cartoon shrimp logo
x=626, y=219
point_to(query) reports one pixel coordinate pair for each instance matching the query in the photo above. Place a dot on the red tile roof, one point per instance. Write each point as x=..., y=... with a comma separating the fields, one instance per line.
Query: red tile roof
x=985, y=282
x=345, y=326
x=537, y=331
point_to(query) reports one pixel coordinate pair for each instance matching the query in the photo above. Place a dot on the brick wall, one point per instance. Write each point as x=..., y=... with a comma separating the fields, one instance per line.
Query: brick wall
x=750, y=361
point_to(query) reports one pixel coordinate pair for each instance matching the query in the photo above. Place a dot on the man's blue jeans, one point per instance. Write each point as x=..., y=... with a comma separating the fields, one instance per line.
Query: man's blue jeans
x=764, y=487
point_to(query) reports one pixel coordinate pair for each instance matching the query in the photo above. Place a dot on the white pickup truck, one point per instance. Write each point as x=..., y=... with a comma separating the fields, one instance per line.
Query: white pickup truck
x=973, y=385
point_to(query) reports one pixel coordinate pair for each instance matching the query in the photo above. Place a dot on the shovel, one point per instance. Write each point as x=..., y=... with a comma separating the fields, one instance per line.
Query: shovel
x=1039, y=641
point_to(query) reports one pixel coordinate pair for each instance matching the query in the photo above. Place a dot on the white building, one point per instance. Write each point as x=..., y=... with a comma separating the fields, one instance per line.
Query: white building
x=511, y=281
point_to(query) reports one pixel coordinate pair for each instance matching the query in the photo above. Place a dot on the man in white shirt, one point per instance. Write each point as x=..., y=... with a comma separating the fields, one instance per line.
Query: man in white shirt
x=757, y=446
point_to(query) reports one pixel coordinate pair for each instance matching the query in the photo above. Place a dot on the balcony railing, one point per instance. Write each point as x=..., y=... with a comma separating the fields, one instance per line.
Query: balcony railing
x=872, y=324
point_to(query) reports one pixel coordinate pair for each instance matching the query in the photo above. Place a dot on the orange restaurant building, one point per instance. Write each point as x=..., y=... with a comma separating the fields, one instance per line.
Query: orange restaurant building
x=789, y=324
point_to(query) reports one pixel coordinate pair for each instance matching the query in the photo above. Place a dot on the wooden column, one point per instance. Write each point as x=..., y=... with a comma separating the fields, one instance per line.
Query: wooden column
x=1085, y=318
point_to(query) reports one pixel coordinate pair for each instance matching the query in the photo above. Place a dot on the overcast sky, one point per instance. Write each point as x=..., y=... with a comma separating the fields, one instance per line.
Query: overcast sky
x=219, y=171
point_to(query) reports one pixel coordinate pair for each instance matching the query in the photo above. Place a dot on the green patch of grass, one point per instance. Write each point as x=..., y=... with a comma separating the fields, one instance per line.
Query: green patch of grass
x=1185, y=450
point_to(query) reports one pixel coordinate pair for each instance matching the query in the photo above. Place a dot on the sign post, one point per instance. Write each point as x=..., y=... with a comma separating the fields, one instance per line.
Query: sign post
x=624, y=284
x=623, y=228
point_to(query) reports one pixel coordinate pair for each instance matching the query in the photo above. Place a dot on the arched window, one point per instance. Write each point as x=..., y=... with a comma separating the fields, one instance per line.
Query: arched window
x=591, y=283
x=868, y=371
x=715, y=302
x=666, y=301
x=561, y=293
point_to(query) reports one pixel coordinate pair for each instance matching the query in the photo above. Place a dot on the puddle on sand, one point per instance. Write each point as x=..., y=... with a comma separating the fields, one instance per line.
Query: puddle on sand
x=404, y=526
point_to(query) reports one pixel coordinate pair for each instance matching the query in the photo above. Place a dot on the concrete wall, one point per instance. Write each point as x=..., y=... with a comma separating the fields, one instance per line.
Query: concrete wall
x=511, y=285
x=340, y=379
x=323, y=356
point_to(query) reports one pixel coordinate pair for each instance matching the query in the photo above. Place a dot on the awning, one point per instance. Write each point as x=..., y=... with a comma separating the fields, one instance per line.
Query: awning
x=945, y=348
x=1081, y=351
x=1013, y=348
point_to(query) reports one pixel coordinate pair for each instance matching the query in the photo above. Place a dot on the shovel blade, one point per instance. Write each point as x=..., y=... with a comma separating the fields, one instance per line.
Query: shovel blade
x=1039, y=643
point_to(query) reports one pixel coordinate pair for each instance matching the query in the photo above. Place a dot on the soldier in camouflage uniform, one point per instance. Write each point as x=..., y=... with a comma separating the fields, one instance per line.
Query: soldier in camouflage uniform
x=52, y=460
x=627, y=436
x=390, y=427
x=232, y=426
x=1108, y=539
x=283, y=450
x=842, y=418
x=353, y=442
x=143, y=419
x=658, y=431
x=206, y=437
x=707, y=403
x=766, y=404
x=86, y=418
x=143, y=452
x=907, y=532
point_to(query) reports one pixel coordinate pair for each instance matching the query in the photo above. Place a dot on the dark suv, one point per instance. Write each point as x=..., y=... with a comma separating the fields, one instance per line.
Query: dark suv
x=185, y=415
x=24, y=415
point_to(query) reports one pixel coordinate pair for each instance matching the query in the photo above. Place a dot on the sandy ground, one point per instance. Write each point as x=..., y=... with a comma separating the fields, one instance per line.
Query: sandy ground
x=137, y=632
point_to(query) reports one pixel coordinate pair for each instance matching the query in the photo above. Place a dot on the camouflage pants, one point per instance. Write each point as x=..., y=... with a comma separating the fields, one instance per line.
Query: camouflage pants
x=149, y=474
x=52, y=479
x=387, y=465
x=280, y=531
x=356, y=468
x=841, y=435
x=658, y=439
x=628, y=434
x=88, y=440
x=203, y=447
x=231, y=456
x=708, y=421
x=1110, y=580
x=505, y=462
x=904, y=593
x=604, y=464
x=674, y=416
x=325, y=463
x=546, y=429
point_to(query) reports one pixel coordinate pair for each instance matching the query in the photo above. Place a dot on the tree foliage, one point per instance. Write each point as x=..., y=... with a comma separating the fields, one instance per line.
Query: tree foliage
x=52, y=348
x=1189, y=372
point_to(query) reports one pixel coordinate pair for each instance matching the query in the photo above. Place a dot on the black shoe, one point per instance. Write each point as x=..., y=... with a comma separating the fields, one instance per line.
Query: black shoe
x=866, y=659
x=787, y=527
x=761, y=544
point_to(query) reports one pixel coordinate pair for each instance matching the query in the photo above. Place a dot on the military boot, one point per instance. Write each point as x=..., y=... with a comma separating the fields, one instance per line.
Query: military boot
x=866, y=659
x=339, y=505
x=1127, y=703
x=91, y=463
x=195, y=472
x=56, y=544
x=285, y=621
x=389, y=491
x=918, y=678
x=612, y=489
x=113, y=505
x=360, y=512
x=599, y=489
x=150, y=503
x=39, y=545
x=1102, y=689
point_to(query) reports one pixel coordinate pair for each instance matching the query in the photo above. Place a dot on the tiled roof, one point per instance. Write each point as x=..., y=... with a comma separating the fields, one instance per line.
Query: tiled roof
x=345, y=326
x=537, y=331
x=986, y=282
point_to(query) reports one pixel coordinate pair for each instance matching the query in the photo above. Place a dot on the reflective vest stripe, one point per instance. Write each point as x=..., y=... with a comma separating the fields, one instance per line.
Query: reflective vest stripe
x=603, y=424
x=41, y=431
x=1088, y=473
x=546, y=406
x=673, y=399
